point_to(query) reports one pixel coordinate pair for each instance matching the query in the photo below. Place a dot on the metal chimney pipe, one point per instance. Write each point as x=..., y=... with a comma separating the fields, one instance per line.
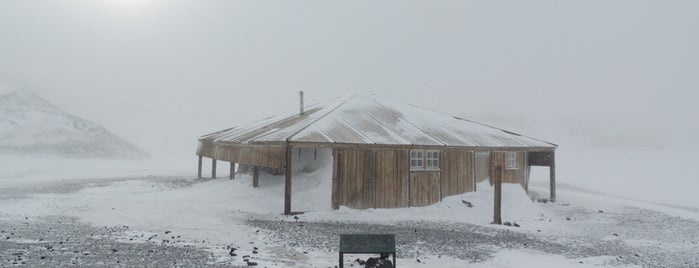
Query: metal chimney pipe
x=301, y=102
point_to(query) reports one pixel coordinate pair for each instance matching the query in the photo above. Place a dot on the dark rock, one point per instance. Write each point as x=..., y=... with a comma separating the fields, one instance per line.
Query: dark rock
x=252, y=263
x=114, y=250
x=418, y=260
x=167, y=232
x=600, y=211
x=372, y=262
x=567, y=218
x=254, y=248
x=254, y=252
x=615, y=234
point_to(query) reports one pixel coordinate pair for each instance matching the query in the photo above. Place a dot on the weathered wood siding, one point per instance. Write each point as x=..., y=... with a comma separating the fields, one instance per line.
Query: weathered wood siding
x=205, y=149
x=424, y=188
x=355, y=178
x=482, y=166
x=391, y=178
x=499, y=158
x=271, y=156
x=457, y=172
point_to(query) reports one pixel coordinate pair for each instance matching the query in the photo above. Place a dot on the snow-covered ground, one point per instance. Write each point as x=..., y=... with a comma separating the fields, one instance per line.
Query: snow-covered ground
x=617, y=206
x=582, y=229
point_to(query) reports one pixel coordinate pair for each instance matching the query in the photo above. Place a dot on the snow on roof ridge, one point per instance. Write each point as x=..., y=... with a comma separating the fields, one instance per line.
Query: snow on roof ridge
x=414, y=125
x=222, y=133
x=410, y=123
x=322, y=116
x=503, y=130
x=485, y=125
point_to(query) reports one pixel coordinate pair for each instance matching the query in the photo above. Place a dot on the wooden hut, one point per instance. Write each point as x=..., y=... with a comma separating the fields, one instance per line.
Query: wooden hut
x=386, y=154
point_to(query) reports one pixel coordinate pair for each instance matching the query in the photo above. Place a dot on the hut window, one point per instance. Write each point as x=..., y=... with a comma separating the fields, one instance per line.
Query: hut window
x=424, y=159
x=417, y=160
x=511, y=160
x=432, y=159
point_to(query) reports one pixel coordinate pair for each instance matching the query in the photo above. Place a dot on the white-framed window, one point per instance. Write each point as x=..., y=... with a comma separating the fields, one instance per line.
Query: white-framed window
x=417, y=159
x=424, y=159
x=511, y=161
x=432, y=159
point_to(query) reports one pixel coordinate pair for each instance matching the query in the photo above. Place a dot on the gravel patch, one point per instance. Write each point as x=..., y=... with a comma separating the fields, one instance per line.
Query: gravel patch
x=478, y=243
x=60, y=241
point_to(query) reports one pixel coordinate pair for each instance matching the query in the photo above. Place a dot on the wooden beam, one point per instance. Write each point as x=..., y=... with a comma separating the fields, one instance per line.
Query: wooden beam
x=199, y=169
x=232, y=170
x=287, y=183
x=336, y=180
x=552, y=174
x=255, y=177
x=213, y=168
x=473, y=170
x=497, y=216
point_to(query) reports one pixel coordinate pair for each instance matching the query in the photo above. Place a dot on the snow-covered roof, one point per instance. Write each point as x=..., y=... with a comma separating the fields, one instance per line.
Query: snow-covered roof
x=368, y=119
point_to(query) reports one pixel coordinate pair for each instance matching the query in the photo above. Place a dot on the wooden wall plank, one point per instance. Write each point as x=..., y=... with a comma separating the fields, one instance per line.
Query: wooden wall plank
x=271, y=156
x=424, y=188
x=517, y=175
x=391, y=178
x=482, y=166
x=356, y=178
x=457, y=175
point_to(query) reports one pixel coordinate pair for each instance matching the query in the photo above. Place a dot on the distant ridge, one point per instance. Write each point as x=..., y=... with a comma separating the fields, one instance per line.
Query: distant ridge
x=30, y=125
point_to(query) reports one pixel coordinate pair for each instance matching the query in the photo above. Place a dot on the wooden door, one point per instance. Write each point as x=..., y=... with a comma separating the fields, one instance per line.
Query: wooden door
x=391, y=179
x=424, y=188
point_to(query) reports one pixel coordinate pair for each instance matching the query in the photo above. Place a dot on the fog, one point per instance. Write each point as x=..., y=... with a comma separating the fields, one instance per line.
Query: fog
x=160, y=73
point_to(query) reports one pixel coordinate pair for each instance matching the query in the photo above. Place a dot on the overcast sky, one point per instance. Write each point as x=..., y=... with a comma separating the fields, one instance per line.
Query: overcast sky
x=160, y=73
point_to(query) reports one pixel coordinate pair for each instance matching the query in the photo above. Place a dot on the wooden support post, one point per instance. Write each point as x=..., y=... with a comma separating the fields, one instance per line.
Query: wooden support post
x=255, y=177
x=552, y=174
x=232, y=170
x=199, y=169
x=213, y=168
x=336, y=183
x=287, y=182
x=497, y=216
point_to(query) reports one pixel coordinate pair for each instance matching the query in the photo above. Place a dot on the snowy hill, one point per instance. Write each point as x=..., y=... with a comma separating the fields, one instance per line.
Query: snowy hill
x=29, y=125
